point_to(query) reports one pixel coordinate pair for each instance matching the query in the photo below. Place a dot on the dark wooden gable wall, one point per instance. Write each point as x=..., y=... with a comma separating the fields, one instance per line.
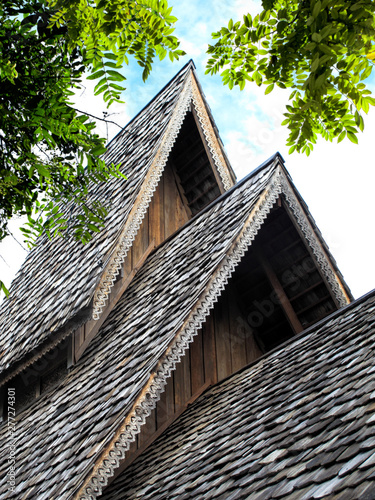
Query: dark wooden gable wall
x=189, y=182
x=276, y=291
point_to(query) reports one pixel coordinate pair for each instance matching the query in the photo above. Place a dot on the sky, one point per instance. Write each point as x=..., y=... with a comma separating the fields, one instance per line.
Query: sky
x=336, y=181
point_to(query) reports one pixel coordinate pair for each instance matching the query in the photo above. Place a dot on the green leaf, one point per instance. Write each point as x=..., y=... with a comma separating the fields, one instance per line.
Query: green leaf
x=315, y=65
x=281, y=25
x=269, y=88
x=43, y=171
x=352, y=137
x=316, y=9
x=96, y=75
x=4, y=289
x=316, y=37
x=116, y=76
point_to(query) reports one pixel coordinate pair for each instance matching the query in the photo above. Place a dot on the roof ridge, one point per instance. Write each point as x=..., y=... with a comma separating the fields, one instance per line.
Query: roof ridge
x=190, y=63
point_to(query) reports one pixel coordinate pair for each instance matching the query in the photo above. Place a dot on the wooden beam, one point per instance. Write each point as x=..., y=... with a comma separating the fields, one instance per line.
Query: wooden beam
x=181, y=190
x=206, y=191
x=195, y=171
x=276, y=285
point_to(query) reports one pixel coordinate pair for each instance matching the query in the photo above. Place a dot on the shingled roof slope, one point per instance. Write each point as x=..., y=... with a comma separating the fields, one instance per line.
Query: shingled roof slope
x=55, y=285
x=297, y=424
x=61, y=435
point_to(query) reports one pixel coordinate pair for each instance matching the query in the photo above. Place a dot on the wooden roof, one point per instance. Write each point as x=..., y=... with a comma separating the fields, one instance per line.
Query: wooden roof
x=297, y=424
x=63, y=283
x=73, y=438
x=81, y=416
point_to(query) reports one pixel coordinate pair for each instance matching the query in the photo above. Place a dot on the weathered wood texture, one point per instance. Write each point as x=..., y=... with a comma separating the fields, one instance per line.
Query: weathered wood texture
x=224, y=345
x=299, y=424
x=165, y=215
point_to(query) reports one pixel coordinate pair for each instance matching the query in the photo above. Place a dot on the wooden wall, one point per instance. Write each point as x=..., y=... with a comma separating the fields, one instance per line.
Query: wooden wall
x=167, y=213
x=224, y=345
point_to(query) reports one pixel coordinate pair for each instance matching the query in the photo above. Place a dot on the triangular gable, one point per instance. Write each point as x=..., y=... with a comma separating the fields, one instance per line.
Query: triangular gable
x=62, y=296
x=189, y=95
x=144, y=404
x=298, y=423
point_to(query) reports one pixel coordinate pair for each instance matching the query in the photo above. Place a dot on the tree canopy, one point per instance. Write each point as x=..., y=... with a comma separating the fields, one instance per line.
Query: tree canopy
x=50, y=154
x=322, y=50
x=49, y=151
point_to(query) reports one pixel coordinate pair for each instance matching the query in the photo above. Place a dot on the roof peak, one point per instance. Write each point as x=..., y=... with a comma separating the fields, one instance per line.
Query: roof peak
x=185, y=69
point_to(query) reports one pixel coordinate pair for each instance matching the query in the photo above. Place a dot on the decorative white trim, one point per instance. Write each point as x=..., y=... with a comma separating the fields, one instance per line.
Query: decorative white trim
x=210, y=136
x=156, y=385
x=190, y=93
x=315, y=245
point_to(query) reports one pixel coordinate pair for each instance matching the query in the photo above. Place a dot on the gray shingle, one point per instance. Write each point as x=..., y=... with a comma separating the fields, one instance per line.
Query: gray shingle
x=340, y=466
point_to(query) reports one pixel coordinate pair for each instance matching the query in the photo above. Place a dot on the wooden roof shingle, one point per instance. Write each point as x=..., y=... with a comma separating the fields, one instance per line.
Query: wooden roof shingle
x=297, y=424
x=62, y=434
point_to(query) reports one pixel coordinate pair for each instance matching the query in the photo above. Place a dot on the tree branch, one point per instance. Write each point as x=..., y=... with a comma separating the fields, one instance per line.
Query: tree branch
x=97, y=118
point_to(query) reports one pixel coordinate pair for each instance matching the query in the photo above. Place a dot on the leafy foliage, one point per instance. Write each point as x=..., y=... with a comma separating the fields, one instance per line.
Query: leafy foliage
x=321, y=49
x=108, y=31
x=50, y=155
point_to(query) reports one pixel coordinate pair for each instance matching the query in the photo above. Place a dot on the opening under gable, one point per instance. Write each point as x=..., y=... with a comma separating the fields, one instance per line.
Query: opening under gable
x=199, y=182
x=280, y=288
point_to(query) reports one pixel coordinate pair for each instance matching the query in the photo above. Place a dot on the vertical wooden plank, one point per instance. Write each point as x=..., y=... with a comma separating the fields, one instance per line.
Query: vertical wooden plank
x=181, y=214
x=222, y=335
x=196, y=363
x=128, y=266
x=209, y=350
x=237, y=334
x=148, y=429
x=253, y=352
x=165, y=406
x=169, y=202
x=187, y=375
x=79, y=337
x=156, y=215
x=132, y=448
x=140, y=243
x=182, y=382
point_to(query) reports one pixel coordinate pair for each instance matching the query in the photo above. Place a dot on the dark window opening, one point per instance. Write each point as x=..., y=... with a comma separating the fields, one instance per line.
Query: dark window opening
x=36, y=379
x=280, y=288
x=193, y=167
